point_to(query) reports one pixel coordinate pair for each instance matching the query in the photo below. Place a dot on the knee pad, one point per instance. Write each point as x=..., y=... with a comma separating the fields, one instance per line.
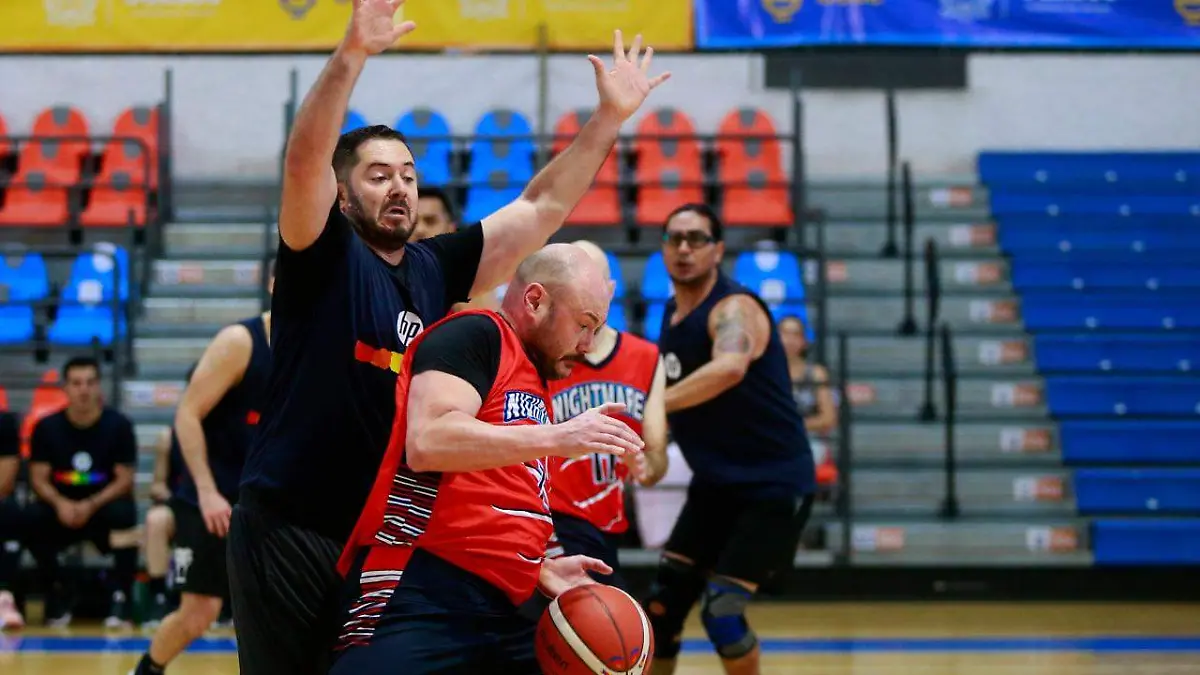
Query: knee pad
x=723, y=613
x=676, y=588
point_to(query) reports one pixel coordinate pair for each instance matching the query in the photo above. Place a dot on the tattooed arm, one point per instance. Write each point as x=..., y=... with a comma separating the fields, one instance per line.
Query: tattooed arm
x=740, y=329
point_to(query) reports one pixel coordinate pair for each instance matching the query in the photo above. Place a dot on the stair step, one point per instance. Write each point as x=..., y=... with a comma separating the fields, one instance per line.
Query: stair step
x=989, y=275
x=975, y=314
x=182, y=238
x=157, y=352
x=179, y=310
x=954, y=239
x=182, y=275
x=1040, y=541
x=965, y=202
x=1005, y=492
x=1001, y=396
x=993, y=442
x=974, y=355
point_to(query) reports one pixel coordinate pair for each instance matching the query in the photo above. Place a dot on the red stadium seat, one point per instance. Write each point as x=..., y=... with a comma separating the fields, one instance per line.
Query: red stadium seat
x=140, y=123
x=48, y=398
x=751, y=170
x=5, y=144
x=602, y=203
x=35, y=204
x=3, y=399
x=120, y=188
x=669, y=169
x=55, y=157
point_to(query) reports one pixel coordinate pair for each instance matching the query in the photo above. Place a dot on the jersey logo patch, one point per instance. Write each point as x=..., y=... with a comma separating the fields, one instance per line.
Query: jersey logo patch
x=578, y=399
x=672, y=366
x=522, y=405
x=408, y=327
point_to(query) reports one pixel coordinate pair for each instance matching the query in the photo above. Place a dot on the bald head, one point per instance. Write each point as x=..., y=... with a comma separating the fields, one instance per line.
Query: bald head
x=598, y=256
x=556, y=266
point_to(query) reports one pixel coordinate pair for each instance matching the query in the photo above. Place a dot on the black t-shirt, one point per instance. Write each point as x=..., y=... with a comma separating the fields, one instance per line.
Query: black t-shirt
x=82, y=459
x=341, y=319
x=10, y=436
x=467, y=347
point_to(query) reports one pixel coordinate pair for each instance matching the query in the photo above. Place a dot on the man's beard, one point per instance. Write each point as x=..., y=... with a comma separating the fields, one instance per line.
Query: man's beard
x=374, y=234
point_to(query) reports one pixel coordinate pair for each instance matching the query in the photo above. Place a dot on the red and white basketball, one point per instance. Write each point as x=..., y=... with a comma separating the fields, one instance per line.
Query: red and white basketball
x=594, y=630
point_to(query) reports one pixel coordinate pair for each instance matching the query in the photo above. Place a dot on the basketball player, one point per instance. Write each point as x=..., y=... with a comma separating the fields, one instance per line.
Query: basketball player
x=214, y=423
x=453, y=539
x=730, y=408
x=350, y=297
x=588, y=496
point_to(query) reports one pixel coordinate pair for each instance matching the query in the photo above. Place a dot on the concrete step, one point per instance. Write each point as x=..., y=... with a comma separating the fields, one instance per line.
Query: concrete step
x=981, y=492
x=154, y=353
x=991, y=443
x=1030, y=541
x=177, y=310
x=239, y=238
x=867, y=274
x=174, y=329
x=974, y=355
x=206, y=278
x=964, y=202
x=868, y=237
x=1000, y=397
x=967, y=314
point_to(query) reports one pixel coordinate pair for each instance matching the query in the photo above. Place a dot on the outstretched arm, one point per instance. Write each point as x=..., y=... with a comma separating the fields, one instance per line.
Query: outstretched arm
x=740, y=330
x=309, y=184
x=522, y=227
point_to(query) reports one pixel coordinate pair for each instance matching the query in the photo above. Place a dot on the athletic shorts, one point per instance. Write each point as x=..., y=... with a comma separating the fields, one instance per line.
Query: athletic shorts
x=577, y=536
x=284, y=586
x=438, y=620
x=197, y=556
x=748, y=533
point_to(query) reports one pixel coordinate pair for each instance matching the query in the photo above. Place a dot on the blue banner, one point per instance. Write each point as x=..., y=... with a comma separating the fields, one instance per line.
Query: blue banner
x=1068, y=24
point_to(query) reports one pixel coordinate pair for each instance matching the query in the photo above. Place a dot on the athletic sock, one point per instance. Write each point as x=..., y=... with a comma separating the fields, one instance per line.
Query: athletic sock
x=147, y=666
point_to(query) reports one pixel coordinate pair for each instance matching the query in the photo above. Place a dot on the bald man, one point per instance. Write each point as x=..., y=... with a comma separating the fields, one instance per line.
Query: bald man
x=453, y=539
x=588, y=499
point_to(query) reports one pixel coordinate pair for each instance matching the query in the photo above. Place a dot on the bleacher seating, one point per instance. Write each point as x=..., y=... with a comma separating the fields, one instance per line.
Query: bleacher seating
x=48, y=398
x=502, y=162
x=428, y=136
x=751, y=168
x=24, y=282
x=1104, y=251
x=670, y=166
x=354, y=120
x=85, y=311
x=602, y=203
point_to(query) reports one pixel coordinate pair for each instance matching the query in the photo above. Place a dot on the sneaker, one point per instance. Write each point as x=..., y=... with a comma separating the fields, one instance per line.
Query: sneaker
x=10, y=618
x=58, y=611
x=118, y=614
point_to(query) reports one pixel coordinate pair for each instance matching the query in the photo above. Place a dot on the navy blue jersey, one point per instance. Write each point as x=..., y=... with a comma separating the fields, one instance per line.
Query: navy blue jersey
x=341, y=319
x=230, y=426
x=751, y=434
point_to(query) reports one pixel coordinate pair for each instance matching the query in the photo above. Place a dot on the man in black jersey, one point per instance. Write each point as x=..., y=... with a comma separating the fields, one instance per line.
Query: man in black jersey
x=214, y=423
x=730, y=409
x=11, y=519
x=351, y=294
x=81, y=465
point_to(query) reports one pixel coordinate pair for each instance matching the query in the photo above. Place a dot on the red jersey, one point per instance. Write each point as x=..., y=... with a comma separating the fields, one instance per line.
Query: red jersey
x=592, y=487
x=494, y=524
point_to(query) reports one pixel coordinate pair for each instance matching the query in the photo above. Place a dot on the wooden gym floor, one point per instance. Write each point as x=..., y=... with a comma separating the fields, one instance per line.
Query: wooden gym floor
x=798, y=639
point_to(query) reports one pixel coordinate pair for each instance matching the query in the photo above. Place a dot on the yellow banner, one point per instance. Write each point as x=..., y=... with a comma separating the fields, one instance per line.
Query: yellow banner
x=304, y=25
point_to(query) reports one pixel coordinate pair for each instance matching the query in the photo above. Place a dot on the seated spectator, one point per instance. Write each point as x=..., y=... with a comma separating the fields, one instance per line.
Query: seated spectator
x=10, y=519
x=813, y=395
x=81, y=469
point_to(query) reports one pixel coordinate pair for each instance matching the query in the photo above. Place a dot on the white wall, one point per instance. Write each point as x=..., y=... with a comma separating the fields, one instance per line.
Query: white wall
x=229, y=109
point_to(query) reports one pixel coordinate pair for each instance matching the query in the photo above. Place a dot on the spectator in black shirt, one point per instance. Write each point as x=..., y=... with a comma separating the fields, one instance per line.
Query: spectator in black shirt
x=10, y=519
x=81, y=468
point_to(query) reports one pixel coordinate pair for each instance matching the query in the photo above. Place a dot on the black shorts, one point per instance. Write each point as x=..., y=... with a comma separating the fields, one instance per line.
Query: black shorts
x=438, y=620
x=577, y=536
x=46, y=535
x=284, y=587
x=197, y=556
x=740, y=532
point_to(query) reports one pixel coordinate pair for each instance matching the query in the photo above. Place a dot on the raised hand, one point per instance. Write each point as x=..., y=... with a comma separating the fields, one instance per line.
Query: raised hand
x=372, y=26
x=597, y=431
x=624, y=88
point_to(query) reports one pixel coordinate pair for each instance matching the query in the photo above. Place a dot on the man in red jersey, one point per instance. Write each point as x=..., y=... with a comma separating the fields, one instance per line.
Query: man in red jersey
x=587, y=498
x=452, y=542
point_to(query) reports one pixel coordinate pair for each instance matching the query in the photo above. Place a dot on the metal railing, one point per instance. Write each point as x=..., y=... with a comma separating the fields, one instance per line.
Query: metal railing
x=950, y=508
x=845, y=459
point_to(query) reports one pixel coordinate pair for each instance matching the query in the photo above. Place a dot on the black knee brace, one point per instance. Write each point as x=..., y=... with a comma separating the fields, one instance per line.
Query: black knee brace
x=723, y=614
x=677, y=587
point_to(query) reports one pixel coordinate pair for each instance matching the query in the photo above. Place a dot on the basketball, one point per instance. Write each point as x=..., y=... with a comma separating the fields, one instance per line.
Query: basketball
x=594, y=629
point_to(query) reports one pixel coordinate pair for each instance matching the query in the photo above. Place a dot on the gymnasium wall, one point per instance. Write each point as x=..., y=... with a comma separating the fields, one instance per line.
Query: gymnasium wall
x=229, y=121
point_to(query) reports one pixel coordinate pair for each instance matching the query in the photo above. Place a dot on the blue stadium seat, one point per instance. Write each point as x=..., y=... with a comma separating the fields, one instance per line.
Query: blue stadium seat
x=1083, y=311
x=775, y=275
x=1146, y=541
x=1134, y=491
x=1030, y=234
x=428, y=135
x=652, y=325
x=616, y=315
x=1123, y=396
x=656, y=284
x=23, y=278
x=86, y=306
x=1130, y=442
x=1104, y=170
x=1139, y=352
x=354, y=120
x=502, y=143
x=1011, y=202
x=484, y=199
x=614, y=267
x=1085, y=274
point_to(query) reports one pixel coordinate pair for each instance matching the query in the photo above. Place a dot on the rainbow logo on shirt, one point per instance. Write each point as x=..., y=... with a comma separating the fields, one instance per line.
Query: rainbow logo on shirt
x=80, y=477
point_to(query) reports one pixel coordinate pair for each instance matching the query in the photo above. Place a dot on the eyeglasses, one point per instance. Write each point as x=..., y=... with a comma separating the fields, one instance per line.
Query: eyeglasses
x=694, y=238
